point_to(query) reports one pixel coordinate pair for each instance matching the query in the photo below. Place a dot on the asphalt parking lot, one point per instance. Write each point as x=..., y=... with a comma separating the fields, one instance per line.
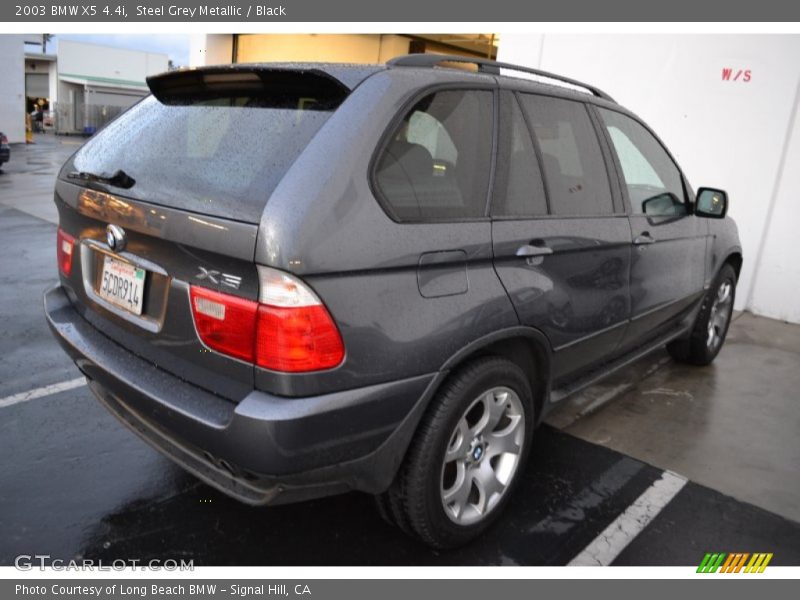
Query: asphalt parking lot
x=74, y=483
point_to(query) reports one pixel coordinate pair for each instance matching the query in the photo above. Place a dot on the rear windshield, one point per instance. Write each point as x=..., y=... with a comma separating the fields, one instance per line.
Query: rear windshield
x=221, y=156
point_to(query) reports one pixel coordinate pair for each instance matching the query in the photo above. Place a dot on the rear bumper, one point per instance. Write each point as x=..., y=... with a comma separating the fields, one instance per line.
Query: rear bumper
x=265, y=449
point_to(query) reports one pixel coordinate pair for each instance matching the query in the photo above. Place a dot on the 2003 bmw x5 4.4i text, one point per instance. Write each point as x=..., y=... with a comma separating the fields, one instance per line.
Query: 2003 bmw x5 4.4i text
x=298, y=280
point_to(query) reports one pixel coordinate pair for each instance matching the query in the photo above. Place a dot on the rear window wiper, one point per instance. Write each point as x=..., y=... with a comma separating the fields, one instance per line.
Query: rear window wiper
x=119, y=179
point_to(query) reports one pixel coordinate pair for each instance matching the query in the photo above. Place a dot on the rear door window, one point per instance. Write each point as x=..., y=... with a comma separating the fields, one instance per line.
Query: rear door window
x=436, y=164
x=574, y=168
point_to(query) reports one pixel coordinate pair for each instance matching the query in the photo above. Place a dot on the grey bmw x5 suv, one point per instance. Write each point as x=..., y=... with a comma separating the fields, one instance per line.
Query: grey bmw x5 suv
x=298, y=280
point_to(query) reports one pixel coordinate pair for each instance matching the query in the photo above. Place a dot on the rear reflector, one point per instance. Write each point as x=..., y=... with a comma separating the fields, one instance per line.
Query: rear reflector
x=290, y=330
x=64, y=250
x=225, y=323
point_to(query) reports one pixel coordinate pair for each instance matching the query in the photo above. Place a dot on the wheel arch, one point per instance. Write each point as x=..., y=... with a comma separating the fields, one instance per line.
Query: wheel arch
x=526, y=347
x=734, y=258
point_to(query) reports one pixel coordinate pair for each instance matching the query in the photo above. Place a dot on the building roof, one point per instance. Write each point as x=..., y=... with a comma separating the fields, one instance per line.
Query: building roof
x=108, y=82
x=39, y=56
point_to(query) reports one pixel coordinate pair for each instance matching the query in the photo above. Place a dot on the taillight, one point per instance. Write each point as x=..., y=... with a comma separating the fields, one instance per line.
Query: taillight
x=3, y=139
x=289, y=330
x=64, y=250
x=225, y=323
x=295, y=331
x=297, y=339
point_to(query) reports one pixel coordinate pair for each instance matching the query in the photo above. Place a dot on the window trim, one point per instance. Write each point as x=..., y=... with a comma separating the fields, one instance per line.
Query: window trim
x=620, y=207
x=562, y=217
x=687, y=191
x=537, y=151
x=511, y=96
x=385, y=140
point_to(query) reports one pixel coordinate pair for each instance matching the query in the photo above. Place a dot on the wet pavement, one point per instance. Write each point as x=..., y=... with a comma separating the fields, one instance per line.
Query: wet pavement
x=26, y=181
x=75, y=483
x=732, y=426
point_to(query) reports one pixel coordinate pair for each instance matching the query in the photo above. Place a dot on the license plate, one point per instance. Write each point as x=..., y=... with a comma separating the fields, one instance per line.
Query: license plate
x=122, y=284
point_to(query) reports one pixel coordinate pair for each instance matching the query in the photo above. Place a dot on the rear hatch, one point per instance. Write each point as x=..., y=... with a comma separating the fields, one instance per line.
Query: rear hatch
x=184, y=176
x=214, y=142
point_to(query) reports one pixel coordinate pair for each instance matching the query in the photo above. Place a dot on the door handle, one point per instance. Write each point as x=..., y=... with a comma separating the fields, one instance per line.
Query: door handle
x=644, y=238
x=532, y=250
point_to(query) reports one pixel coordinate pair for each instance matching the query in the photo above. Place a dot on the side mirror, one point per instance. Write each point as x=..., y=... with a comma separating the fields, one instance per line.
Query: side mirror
x=711, y=203
x=663, y=205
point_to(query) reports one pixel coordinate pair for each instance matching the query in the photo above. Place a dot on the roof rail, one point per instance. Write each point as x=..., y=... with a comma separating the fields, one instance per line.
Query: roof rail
x=492, y=67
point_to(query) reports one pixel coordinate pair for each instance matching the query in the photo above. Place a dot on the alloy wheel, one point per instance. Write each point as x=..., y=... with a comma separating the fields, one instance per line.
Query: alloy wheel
x=720, y=314
x=482, y=455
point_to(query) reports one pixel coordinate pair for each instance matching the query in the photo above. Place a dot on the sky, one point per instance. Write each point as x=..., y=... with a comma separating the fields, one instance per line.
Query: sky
x=174, y=45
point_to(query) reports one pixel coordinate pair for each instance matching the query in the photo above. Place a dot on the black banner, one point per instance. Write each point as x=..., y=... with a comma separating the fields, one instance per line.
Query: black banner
x=92, y=11
x=394, y=589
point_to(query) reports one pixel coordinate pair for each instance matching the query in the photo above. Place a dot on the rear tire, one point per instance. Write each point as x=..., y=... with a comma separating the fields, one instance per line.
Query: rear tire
x=712, y=322
x=467, y=455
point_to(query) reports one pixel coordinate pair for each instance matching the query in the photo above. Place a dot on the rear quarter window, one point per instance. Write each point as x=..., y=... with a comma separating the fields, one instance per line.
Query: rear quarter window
x=436, y=163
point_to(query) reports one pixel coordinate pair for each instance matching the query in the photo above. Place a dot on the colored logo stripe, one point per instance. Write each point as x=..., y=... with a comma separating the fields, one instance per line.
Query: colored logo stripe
x=711, y=562
x=758, y=563
x=734, y=562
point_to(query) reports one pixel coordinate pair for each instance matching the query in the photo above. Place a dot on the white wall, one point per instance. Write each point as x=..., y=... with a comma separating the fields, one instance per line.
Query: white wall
x=368, y=48
x=12, y=92
x=91, y=60
x=371, y=48
x=776, y=287
x=730, y=134
x=210, y=49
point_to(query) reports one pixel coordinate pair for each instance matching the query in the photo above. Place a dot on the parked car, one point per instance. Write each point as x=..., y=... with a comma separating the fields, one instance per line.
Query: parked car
x=300, y=280
x=5, y=149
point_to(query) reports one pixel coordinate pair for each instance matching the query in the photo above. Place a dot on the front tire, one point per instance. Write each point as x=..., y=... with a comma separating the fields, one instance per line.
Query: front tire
x=467, y=454
x=712, y=322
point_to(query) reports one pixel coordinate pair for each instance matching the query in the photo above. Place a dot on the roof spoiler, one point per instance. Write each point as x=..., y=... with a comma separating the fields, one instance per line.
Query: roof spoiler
x=186, y=86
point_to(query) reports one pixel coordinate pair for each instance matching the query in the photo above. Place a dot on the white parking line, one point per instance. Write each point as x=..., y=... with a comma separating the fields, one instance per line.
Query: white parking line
x=42, y=391
x=614, y=538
